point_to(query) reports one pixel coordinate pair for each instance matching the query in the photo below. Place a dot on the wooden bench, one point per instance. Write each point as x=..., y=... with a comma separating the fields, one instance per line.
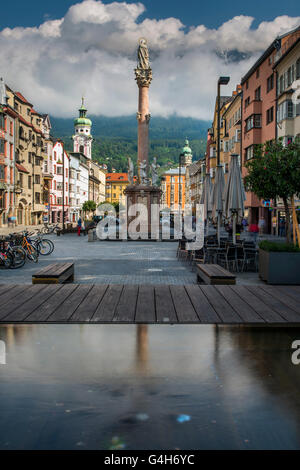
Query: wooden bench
x=57, y=273
x=214, y=274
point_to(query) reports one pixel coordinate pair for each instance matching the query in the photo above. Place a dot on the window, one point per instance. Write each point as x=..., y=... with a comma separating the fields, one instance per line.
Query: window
x=59, y=201
x=289, y=76
x=59, y=186
x=270, y=83
x=247, y=101
x=59, y=170
x=2, y=145
x=253, y=121
x=2, y=121
x=21, y=180
x=249, y=153
x=270, y=115
x=29, y=182
x=2, y=172
x=258, y=94
x=11, y=151
x=37, y=198
x=298, y=69
x=37, y=179
x=257, y=73
x=11, y=128
x=38, y=161
x=285, y=110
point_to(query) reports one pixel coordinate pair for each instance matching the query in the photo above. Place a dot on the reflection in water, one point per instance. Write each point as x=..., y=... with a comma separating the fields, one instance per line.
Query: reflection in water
x=104, y=386
x=142, y=349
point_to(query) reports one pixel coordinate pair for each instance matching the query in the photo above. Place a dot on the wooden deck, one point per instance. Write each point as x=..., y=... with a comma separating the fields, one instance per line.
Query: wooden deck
x=88, y=303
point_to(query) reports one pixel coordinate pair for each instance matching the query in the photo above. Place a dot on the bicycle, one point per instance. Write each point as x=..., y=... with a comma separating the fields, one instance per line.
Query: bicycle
x=43, y=245
x=24, y=241
x=50, y=228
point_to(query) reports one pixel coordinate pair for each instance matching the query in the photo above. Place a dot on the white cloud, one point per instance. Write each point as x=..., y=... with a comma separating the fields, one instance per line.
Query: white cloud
x=92, y=51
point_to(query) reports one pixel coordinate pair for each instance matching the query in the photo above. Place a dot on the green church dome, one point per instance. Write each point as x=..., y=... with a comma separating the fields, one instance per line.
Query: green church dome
x=186, y=149
x=82, y=121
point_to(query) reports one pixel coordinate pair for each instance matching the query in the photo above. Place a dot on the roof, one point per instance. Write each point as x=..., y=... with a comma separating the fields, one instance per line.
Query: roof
x=195, y=167
x=266, y=54
x=287, y=52
x=21, y=168
x=234, y=97
x=22, y=98
x=117, y=177
x=175, y=171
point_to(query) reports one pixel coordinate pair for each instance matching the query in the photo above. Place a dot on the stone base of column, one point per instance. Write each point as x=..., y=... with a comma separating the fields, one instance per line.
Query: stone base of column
x=148, y=196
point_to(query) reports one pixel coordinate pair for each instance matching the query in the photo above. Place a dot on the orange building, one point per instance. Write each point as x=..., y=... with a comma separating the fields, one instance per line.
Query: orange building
x=173, y=188
x=116, y=183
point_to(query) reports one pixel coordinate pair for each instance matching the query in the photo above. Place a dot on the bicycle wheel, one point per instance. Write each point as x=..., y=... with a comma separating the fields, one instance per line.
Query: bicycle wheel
x=5, y=260
x=44, y=247
x=32, y=253
x=18, y=257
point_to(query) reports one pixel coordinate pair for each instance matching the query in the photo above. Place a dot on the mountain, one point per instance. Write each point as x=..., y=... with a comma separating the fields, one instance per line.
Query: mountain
x=126, y=127
x=115, y=139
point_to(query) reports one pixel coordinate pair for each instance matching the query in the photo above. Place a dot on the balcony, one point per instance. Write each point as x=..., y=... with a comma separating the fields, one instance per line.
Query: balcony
x=253, y=108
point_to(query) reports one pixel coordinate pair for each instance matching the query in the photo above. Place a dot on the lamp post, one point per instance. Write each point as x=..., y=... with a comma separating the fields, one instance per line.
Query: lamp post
x=221, y=81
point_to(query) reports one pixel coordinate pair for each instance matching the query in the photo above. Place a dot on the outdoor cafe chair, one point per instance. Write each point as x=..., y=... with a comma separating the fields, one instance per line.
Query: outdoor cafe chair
x=240, y=257
x=228, y=258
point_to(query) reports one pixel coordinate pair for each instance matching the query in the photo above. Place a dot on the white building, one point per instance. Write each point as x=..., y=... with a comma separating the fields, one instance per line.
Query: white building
x=59, y=185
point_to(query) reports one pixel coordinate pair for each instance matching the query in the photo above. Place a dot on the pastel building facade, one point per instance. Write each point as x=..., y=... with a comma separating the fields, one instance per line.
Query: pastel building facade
x=59, y=184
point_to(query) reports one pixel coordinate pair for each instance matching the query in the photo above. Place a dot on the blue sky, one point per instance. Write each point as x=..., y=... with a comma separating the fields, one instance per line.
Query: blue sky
x=190, y=12
x=66, y=49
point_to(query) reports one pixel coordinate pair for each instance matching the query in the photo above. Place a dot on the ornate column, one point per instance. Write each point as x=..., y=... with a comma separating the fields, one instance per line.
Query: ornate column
x=143, y=76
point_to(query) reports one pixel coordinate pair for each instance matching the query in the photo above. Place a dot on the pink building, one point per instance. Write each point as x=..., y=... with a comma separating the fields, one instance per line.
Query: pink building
x=56, y=184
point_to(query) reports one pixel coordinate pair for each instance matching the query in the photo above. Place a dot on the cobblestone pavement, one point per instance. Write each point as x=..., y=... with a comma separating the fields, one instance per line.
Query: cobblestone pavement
x=116, y=262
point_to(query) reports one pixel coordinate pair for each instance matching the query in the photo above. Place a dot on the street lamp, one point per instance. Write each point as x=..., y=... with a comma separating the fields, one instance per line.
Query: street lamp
x=221, y=81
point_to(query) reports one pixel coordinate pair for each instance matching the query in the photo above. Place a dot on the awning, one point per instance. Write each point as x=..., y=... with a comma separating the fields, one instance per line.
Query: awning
x=21, y=168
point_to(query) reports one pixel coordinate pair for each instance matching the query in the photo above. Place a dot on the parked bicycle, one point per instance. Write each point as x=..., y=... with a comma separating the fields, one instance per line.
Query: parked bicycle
x=43, y=245
x=48, y=228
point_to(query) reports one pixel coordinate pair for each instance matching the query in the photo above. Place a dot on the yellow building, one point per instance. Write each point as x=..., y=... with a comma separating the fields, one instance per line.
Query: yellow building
x=224, y=103
x=232, y=119
x=116, y=183
x=29, y=159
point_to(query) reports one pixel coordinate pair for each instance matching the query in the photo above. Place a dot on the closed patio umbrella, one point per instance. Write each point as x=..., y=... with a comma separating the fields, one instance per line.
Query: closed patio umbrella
x=234, y=195
x=217, y=196
x=206, y=199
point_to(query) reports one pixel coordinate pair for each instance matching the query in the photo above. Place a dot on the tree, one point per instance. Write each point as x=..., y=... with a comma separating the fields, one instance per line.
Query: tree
x=274, y=173
x=89, y=206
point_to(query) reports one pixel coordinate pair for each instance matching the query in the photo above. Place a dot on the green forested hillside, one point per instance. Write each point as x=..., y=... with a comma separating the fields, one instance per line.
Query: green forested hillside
x=115, y=139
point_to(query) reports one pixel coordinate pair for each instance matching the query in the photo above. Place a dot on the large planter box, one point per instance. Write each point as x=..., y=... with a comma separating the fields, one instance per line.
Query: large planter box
x=279, y=267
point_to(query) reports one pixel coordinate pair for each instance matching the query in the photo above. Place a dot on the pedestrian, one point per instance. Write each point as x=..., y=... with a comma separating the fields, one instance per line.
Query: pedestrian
x=244, y=223
x=254, y=230
x=79, y=225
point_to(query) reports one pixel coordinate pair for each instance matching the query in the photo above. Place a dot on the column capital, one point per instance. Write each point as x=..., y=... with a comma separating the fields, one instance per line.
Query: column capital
x=143, y=76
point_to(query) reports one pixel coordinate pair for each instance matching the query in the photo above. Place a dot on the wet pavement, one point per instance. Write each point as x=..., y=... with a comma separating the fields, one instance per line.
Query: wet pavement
x=116, y=262
x=148, y=387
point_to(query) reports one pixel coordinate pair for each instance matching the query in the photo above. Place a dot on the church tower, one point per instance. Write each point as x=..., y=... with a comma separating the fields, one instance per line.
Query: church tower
x=82, y=137
x=186, y=155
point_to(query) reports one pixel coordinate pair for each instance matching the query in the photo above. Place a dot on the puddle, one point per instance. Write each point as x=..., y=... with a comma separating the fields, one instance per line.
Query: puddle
x=148, y=387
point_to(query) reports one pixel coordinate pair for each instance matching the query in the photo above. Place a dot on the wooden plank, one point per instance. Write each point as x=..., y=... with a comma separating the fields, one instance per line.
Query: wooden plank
x=145, y=307
x=10, y=293
x=45, y=269
x=221, y=306
x=42, y=313
x=125, y=311
x=183, y=305
x=258, y=305
x=203, y=308
x=18, y=297
x=4, y=288
x=292, y=291
x=165, y=310
x=88, y=306
x=244, y=310
x=106, y=310
x=282, y=295
x=68, y=307
x=214, y=270
x=282, y=309
x=24, y=310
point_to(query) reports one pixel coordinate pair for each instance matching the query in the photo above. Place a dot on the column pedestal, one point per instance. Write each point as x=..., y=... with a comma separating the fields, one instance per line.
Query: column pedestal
x=147, y=195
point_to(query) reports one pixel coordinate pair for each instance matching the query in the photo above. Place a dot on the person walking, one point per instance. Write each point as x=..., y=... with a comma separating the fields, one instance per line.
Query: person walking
x=79, y=225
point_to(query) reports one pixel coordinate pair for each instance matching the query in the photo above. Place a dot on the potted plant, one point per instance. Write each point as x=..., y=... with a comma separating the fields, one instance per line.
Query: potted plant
x=274, y=173
x=279, y=263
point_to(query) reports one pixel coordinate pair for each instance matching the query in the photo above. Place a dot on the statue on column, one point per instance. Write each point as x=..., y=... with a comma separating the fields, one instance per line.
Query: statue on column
x=143, y=172
x=154, y=167
x=130, y=171
x=143, y=55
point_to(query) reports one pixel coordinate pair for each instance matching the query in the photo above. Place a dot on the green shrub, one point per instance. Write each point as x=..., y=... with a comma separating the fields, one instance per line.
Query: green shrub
x=277, y=246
